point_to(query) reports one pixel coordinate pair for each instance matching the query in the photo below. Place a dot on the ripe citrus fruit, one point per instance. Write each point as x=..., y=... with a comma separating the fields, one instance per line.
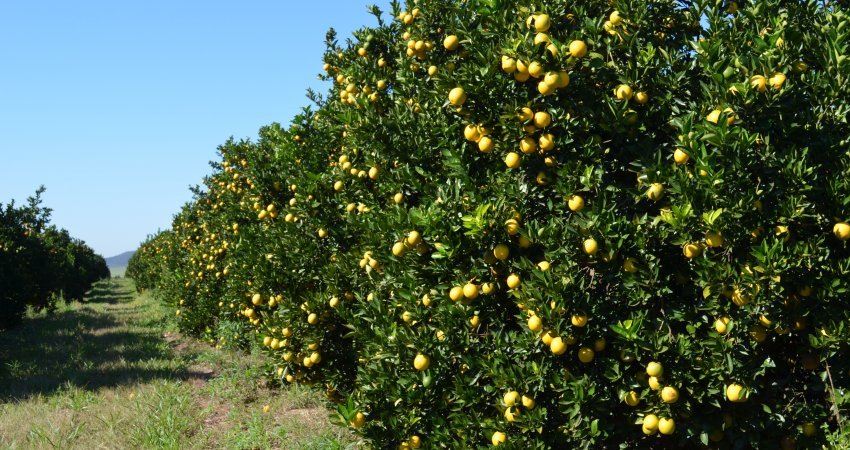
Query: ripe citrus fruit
x=512, y=160
x=421, y=362
x=485, y=144
x=590, y=246
x=721, y=325
x=501, y=252
x=632, y=398
x=542, y=119
x=692, y=250
x=451, y=42
x=654, y=369
x=714, y=239
x=470, y=291
x=841, y=230
x=542, y=22
x=578, y=320
x=510, y=398
x=456, y=293
x=655, y=192
x=575, y=203
x=669, y=394
x=557, y=346
x=623, y=92
x=736, y=393
x=534, y=323
x=498, y=438
x=578, y=49
x=666, y=426
x=650, y=421
x=457, y=96
x=359, y=419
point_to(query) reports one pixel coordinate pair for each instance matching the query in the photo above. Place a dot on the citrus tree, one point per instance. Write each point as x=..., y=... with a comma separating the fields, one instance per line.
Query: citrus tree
x=40, y=263
x=539, y=224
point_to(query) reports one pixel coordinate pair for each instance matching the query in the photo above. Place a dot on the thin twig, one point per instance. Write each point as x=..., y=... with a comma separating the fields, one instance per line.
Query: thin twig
x=834, y=401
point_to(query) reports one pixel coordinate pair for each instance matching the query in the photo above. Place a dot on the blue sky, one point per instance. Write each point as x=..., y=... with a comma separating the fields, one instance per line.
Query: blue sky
x=117, y=106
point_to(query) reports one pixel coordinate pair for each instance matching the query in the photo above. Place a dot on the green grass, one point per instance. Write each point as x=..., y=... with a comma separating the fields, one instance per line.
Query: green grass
x=111, y=373
x=118, y=271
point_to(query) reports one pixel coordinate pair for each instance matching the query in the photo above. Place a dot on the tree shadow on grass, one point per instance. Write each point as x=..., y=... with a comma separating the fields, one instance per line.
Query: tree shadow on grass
x=109, y=292
x=88, y=349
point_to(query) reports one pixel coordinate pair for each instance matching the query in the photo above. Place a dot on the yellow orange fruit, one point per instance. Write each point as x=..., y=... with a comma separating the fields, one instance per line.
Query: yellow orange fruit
x=623, y=92
x=542, y=119
x=841, y=230
x=736, y=393
x=512, y=160
x=654, y=369
x=777, y=80
x=758, y=83
x=510, y=398
x=655, y=191
x=578, y=49
x=457, y=96
x=714, y=239
x=557, y=346
x=486, y=144
x=501, y=252
x=542, y=22
x=575, y=203
x=615, y=18
x=498, y=438
x=666, y=426
x=692, y=250
x=535, y=324
x=590, y=246
x=578, y=320
x=586, y=354
x=721, y=325
x=451, y=42
x=669, y=394
x=421, y=362
x=359, y=419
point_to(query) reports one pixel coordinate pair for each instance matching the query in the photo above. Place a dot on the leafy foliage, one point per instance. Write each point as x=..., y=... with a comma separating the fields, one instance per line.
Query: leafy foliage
x=40, y=263
x=544, y=198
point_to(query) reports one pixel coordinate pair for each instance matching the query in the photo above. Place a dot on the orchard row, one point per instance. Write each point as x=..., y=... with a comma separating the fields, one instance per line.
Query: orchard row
x=540, y=224
x=40, y=263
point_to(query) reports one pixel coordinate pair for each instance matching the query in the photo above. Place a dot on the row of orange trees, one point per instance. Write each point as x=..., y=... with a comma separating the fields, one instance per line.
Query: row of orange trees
x=40, y=264
x=544, y=224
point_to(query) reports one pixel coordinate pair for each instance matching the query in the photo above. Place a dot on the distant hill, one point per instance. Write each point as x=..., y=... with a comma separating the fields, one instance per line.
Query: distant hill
x=119, y=260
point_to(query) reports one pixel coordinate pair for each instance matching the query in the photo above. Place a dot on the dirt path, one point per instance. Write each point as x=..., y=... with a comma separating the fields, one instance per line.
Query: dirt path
x=112, y=373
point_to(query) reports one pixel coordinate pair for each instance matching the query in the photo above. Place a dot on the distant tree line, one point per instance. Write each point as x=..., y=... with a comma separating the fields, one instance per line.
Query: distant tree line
x=40, y=263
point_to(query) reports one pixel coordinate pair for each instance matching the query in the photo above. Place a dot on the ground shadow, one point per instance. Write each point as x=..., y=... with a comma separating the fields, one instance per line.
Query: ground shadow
x=88, y=348
x=109, y=291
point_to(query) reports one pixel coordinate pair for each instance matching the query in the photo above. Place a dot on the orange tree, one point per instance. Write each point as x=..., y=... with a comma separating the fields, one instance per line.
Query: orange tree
x=39, y=263
x=540, y=224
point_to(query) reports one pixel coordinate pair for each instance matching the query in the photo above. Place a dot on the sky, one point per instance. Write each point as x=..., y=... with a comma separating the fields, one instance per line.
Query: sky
x=116, y=107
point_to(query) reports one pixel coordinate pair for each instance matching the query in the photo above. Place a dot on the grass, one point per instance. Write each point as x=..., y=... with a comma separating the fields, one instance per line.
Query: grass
x=118, y=271
x=111, y=373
